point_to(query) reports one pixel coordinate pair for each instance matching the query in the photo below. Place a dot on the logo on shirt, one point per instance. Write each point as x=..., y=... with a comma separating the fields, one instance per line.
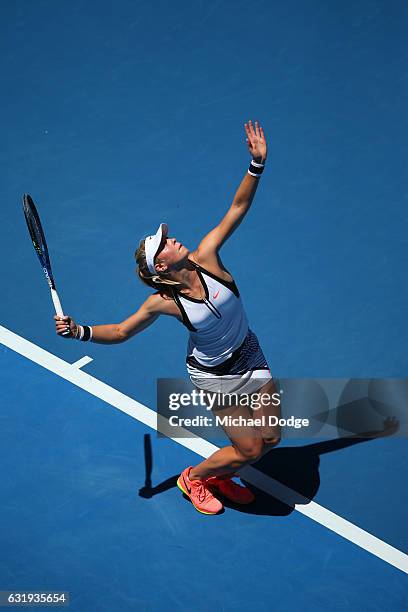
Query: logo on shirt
x=216, y=295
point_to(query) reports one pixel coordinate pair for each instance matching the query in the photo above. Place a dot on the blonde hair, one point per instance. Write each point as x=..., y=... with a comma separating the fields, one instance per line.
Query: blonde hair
x=156, y=281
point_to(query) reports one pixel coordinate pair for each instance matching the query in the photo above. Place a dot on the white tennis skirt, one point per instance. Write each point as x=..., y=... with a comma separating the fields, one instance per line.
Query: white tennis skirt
x=246, y=371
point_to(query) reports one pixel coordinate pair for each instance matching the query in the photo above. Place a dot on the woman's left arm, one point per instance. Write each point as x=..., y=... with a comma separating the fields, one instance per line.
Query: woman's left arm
x=242, y=201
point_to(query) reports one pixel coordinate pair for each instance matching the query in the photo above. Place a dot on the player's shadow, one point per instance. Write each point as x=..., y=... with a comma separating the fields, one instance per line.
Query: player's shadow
x=296, y=468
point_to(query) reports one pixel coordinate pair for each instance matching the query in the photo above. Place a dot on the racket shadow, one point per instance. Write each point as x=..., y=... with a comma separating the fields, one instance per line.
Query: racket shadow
x=169, y=483
x=148, y=491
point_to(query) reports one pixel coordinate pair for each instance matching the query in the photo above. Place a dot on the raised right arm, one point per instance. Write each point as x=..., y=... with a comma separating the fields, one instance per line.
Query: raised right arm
x=116, y=333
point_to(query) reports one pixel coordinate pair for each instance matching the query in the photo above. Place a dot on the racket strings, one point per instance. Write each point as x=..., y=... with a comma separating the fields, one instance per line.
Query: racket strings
x=35, y=229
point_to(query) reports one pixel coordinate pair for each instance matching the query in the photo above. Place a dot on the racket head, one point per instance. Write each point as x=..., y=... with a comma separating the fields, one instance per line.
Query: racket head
x=37, y=236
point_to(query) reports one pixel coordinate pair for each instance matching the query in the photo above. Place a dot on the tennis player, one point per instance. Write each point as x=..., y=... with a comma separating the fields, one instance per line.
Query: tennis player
x=223, y=353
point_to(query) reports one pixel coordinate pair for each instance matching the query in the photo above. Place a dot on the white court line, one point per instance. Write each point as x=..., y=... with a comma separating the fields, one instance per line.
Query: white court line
x=148, y=417
x=82, y=362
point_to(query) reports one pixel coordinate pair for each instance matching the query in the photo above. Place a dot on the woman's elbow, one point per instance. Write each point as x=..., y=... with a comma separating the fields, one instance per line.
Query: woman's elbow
x=122, y=334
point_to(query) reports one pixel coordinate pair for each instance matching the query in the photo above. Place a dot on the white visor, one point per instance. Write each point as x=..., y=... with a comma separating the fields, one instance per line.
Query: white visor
x=152, y=244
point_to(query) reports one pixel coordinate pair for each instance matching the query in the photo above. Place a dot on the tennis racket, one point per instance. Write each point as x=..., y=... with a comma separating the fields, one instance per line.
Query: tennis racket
x=38, y=239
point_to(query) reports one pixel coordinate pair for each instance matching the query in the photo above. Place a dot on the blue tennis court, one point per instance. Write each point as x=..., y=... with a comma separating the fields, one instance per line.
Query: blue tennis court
x=117, y=118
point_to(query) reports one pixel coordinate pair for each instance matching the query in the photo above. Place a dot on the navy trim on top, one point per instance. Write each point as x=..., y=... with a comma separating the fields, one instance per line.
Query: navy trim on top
x=200, y=270
x=229, y=284
x=186, y=320
x=204, y=284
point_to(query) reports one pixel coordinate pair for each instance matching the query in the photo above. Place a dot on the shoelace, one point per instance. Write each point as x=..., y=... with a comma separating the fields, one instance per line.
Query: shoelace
x=203, y=493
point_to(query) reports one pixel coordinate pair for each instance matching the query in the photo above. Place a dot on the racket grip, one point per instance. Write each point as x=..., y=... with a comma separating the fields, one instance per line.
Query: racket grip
x=57, y=303
x=58, y=307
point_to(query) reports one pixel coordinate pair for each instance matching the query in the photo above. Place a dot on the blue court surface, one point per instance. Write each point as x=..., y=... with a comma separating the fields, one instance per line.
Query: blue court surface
x=119, y=116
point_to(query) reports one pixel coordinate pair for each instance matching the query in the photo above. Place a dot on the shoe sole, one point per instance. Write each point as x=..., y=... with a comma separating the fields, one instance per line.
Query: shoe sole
x=186, y=493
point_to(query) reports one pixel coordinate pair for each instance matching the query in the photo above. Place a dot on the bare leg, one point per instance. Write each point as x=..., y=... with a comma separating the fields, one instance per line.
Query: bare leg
x=270, y=433
x=248, y=444
x=228, y=459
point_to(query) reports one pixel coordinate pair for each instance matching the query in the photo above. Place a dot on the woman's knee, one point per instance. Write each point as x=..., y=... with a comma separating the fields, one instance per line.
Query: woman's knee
x=271, y=442
x=250, y=452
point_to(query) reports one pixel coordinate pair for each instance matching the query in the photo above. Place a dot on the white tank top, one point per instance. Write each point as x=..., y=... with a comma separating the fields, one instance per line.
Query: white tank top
x=217, y=324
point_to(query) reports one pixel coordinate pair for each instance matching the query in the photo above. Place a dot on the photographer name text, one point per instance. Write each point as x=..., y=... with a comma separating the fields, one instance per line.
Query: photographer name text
x=240, y=421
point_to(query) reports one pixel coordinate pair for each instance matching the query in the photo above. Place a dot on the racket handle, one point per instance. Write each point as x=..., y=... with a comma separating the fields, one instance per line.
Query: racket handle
x=57, y=303
x=58, y=307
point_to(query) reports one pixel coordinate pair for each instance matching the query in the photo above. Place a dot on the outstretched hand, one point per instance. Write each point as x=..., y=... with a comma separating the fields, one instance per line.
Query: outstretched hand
x=256, y=141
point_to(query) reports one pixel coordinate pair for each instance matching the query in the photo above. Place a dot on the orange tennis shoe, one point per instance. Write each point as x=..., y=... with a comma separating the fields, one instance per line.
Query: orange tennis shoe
x=231, y=490
x=199, y=493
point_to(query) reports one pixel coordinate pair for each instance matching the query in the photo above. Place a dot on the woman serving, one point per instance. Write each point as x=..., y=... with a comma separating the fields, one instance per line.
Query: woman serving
x=223, y=353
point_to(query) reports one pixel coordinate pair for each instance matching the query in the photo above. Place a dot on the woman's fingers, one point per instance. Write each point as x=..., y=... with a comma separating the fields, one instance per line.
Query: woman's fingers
x=62, y=325
x=255, y=135
x=249, y=130
x=257, y=131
